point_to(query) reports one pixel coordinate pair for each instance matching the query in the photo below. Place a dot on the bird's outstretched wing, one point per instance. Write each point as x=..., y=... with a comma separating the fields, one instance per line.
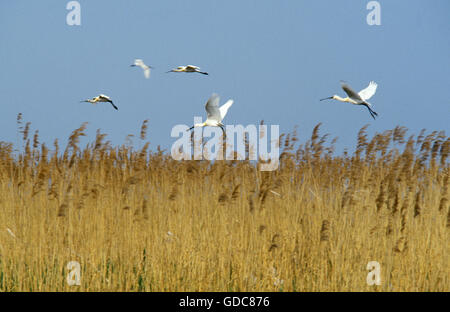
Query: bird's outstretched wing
x=147, y=72
x=139, y=62
x=104, y=97
x=192, y=67
x=368, y=92
x=350, y=92
x=224, y=109
x=212, y=107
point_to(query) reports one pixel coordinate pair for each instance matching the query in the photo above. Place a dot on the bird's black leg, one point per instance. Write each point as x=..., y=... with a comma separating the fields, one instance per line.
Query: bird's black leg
x=372, y=113
x=223, y=131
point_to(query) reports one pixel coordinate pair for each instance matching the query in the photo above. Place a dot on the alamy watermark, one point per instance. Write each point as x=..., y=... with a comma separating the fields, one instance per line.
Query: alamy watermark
x=374, y=16
x=74, y=16
x=374, y=276
x=250, y=140
x=74, y=275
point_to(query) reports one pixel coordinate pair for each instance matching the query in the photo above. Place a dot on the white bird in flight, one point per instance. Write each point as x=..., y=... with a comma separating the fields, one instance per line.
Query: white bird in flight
x=100, y=98
x=215, y=114
x=188, y=69
x=141, y=64
x=357, y=98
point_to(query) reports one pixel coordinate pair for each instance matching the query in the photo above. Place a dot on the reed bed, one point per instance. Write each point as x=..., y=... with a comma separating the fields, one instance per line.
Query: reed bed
x=137, y=220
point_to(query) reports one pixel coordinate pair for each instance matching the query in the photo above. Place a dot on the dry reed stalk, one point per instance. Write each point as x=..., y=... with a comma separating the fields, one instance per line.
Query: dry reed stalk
x=144, y=129
x=448, y=218
x=36, y=139
x=401, y=245
x=145, y=209
x=251, y=204
x=223, y=198
x=173, y=194
x=381, y=199
x=325, y=231
x=62, y=210
x=417, y=206
x=389, y=228
x=396, y=201
x=74, y=138
x=261, y=229
x=443, y=203
x=274, y=242
x=235, y=194
x=445, y=151
x=26, y=131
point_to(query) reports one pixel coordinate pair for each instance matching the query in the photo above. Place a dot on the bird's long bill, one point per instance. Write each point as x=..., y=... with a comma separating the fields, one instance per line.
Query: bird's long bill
x=169, y=71
x=190, y=128
x=328, y=98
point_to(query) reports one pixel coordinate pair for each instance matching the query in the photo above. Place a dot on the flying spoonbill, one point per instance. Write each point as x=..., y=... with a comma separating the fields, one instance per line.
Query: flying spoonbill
x=101, y=98
x=141, y=64
x=357, y=98
x=188, y=69
x=215, y=114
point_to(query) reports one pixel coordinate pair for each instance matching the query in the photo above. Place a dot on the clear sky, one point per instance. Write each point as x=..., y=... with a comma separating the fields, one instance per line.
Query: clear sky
x=276, y=59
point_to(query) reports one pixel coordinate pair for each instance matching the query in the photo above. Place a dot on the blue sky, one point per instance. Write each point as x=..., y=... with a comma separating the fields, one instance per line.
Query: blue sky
x=276, y=59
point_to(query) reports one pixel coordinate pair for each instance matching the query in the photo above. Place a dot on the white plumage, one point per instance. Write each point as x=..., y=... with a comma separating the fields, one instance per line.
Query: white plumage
x=141, y=64
x=188, y=69
x=357, y=98
x=101, y=98
x=214, y=113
